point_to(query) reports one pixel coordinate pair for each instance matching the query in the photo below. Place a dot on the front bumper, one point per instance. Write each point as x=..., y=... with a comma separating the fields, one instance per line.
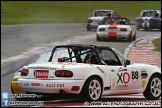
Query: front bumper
x=50, y=86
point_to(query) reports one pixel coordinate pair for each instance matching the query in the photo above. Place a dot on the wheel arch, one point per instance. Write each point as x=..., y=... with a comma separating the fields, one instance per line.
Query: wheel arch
x=148, y=90
x=156, y=73
x=91, y=77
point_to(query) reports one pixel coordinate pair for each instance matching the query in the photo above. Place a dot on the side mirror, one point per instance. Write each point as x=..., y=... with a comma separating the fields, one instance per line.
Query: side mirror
x=99, y=23
x=127, y=62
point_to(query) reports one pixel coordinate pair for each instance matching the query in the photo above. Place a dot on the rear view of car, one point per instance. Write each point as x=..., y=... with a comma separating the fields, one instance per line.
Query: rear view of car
x=149, y=19
x=116, y=28
x=97, y=17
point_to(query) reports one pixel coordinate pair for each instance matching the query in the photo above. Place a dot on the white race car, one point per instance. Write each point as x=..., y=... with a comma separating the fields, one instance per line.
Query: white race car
x=116, y=28
x=97, y=16
x=89, y=71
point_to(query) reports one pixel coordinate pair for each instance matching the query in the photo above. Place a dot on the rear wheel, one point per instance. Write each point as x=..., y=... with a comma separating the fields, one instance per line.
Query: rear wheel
x=153, y=89
x=130, y=37
x=134, y=38
x=98, y=39
x=92, y=89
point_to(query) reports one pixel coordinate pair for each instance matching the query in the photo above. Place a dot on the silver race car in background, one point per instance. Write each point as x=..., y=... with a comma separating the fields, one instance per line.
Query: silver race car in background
x=115, y=28
x=97, y=16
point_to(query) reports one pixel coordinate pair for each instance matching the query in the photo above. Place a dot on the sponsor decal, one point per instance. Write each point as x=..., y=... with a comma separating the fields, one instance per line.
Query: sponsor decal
x=123, y=80
x=134, y=75
x=54, y=85
x=143, y=75
x=41, y=73
x=36, y=84
x=123, y=77
x=101, y=70
x=143, y=83
x=48, y=68
x=23, y=84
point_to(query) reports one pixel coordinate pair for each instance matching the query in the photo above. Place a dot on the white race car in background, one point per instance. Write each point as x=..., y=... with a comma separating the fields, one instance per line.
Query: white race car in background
x=97, y=16
x=89, y=71
x=116, y=28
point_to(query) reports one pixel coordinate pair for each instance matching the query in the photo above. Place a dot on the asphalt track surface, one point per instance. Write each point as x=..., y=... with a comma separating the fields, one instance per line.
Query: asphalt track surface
x=21, y=44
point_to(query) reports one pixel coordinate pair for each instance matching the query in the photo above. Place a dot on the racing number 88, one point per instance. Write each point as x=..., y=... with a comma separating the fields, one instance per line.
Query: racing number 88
x=134, y=75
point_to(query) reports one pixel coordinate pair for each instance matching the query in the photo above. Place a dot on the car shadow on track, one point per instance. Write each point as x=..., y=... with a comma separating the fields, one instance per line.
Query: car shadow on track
x=106, y=40
x=77, y=99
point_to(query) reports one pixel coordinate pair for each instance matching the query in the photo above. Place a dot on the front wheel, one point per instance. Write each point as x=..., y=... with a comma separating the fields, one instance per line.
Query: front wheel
x=88, y=28
x=92, y=89
x=153, y=90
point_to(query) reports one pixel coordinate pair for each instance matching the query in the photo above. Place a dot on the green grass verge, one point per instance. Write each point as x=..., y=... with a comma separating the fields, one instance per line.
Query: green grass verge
x=28, y=12
x=157, y=43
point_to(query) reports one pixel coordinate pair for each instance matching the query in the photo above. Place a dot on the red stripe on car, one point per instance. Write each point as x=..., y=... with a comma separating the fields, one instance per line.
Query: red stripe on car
x=113, y=26
x=100, y=69
x=112, y=31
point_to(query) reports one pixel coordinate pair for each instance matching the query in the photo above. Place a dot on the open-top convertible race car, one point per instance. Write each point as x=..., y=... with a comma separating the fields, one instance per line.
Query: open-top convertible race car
x=116, y=28
x=89, y=71
x=97, y=16
x=149, y=19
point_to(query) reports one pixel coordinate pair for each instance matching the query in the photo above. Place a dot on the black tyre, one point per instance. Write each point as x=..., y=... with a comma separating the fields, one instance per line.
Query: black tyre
x=88, y=28
x=153, y=89
x=97, y=38
x=92, y=89
x=134, y=38
x=130, y=37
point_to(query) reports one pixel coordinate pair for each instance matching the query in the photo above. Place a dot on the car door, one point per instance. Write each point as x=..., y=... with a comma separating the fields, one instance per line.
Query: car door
x=122, y=77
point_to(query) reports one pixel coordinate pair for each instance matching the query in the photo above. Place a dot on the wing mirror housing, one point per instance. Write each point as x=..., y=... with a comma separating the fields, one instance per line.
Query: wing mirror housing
x=99, y=23
x=127, y=62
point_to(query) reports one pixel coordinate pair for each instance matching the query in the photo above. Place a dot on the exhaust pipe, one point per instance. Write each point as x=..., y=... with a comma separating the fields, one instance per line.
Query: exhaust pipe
x=63, y=92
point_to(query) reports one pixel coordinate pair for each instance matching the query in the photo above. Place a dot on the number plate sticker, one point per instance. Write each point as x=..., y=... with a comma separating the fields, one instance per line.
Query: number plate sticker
x=112, y=34
x=41, y=73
